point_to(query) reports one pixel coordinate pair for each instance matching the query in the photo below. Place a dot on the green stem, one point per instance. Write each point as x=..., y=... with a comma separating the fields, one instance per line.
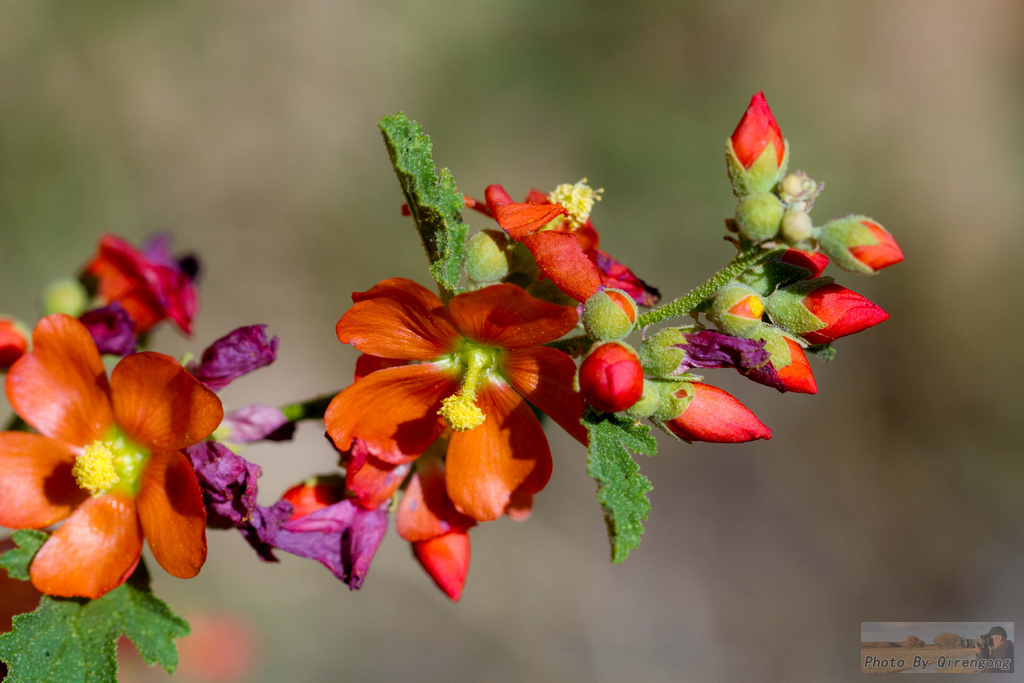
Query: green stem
x=313, y=409
x=742, y=262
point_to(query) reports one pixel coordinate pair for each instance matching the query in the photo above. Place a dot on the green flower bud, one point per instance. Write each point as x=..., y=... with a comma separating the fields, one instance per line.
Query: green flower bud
x=796, y=226
x=737, y=310
x=670, y=405
x=66, y=296
x=758, y=216
x=799, y=190
x=609, y=315
x=660, y=355
x=649, y=402
x=487, y=258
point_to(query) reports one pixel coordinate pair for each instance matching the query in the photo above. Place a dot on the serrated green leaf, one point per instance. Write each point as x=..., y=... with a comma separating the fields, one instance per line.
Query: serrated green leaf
x=621, y=489
x=17, y=560
x=74, y=640
x=435, y=204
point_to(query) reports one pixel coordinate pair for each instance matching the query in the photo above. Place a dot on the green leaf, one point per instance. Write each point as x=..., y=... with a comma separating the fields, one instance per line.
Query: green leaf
x=17, y=560
x=74, y=640
x=621, y=489
x=435, y=204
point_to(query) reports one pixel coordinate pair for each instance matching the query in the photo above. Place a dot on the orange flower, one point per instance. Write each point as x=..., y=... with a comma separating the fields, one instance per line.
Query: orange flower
x=107, y=458
x=480, y=357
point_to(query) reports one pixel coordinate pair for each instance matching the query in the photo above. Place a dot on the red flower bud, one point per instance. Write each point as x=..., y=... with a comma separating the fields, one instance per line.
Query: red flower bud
x=842, y=310
x=812, y=261
x=859, y=244
x=13, y=342
x=756, y=129
x=446, y=560
x=314, y=494
x=715, y=416
x=611, y=378
x=877, y=256
x=797, y=375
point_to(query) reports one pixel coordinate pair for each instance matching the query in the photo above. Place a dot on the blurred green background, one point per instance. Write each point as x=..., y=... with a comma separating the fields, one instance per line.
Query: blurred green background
x=249, y=129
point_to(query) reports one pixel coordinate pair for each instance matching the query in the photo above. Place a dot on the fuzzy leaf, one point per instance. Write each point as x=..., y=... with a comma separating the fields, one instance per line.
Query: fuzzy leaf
x=435, y=204
x=17, y=560
x=621, y=489
x=74, y=640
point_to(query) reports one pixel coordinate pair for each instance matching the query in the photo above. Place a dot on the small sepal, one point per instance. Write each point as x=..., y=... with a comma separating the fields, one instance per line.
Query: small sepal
x=661, y=353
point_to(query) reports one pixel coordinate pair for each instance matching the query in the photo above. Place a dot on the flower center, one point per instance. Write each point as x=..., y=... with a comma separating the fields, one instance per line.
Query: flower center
x=107, y=463
x=577, y=199
x=460, y=410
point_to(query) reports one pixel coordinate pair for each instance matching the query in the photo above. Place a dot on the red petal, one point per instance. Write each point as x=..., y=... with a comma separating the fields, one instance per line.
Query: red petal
x=544, y=377
x=562, y=260
x=520, y=507
x=398, y=318
x=797, y=375
x=715, y=416
x=37, y=488
x=425, y=511
x=843, y=311
x=519, y=220
x=611, y=378
x=93, y=552
x=124, y=275
x=394, y=411
x=446, y=561
x=375, y=482
x=882, y=255
x=814, y=262
x=756, y=129
x=172, y=514
x=537, y=197
x=160, y=405
x=506, y=316
x=61, y=388
x=507, y=453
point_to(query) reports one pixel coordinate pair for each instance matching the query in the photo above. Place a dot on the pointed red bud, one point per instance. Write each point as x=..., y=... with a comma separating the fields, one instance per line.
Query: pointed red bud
x=715, y=416
x=797, y=376
x=13, y=342
x=821, y=311
x=860, y=245
x=611, y=378
x=755, y=131
x=446, y=561
x=314, y=494
x=812, y=261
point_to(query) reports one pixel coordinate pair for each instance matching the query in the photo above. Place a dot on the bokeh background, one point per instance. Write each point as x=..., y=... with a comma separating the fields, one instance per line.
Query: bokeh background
x=249, y=129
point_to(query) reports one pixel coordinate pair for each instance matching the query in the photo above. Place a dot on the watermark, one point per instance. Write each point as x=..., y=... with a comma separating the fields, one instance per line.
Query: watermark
x=936, y=647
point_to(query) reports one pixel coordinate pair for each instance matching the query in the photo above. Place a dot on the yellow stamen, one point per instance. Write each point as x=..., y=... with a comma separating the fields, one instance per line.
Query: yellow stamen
x=461, y=413
x=577, y=199
x=756, y=307
x=94, y=468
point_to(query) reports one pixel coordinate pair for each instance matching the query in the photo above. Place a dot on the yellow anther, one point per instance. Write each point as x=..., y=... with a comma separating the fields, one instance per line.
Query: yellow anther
x=461, y=412
x=577, y=199
x=756, y=307
x=94, y=468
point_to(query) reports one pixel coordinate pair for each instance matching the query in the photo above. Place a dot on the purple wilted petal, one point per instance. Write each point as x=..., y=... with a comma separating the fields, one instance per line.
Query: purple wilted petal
x=157, y=250
x=618, y=276
x=258, y=423
x=343, y=537
x=264, y=526
x=112, y=329
x=710, y=349
x=233, y=355
x=228, y=482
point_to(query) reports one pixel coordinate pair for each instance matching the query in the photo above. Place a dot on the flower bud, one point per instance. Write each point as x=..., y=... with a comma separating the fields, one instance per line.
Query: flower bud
x=758, y=216
x=446, y=561
x=609, y=315
x=737, y=310
x=756, y=154
x=713, y=415
x=799, y=190
x=649, y=402
x=314, y=494
x=796, y=226
x=821, y=311
x=487, y=257
x=859, y=245
x=661, y=353
x=789, y=361
x=611, y=378
x=66, y=296
x=13, y=342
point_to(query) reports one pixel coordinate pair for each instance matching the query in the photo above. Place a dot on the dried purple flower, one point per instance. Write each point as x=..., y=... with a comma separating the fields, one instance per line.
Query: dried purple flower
x=112, y=329
x=233, y=355
x=257, y=423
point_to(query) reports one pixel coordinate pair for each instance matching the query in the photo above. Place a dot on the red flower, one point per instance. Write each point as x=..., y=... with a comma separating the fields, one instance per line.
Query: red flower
x=13, y=343
x=821, y=311
x=107, y=458
x=756, y=130
x=611, y=378
x=151, y=289
x=859, y=244
x=314, y=494
x=713, y=415
x=481, y=359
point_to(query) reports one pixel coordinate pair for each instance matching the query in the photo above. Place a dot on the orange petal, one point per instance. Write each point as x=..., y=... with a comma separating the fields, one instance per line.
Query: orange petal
x=160, y=405
x=425, y=511
x=394, y=411
x=398, y=318
x=507, y=453
x=544, y=377
x=366, y=364
x=520, y=507
x=60, y=388
x=519, y=220
x=561, y=258
x=172, y=514
x=446, y=561
x=505, y=315
x=36, y=484
x=375, y=482
x=93, y=552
